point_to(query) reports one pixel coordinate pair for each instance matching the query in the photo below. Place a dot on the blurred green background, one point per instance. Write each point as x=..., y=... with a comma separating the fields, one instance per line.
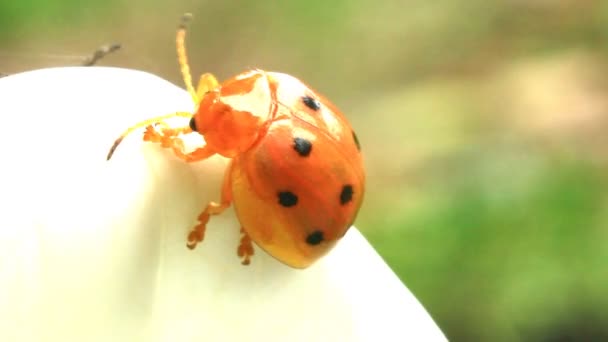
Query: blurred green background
x=484, y=126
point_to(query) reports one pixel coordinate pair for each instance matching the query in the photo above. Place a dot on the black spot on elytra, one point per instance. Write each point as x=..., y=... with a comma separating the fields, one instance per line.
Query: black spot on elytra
x=302, y=146
x=287, y=199
x=347, y=194
x=356, y=141
x=192, y=124
x=311, y=102
x=315, y=238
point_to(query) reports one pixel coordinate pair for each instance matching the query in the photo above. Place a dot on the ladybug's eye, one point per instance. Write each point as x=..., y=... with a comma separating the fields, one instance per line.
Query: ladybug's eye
x=315, y=238
x=192, y=124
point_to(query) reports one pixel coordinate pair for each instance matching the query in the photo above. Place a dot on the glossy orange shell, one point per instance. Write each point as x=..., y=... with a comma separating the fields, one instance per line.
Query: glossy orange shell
x=255, y=119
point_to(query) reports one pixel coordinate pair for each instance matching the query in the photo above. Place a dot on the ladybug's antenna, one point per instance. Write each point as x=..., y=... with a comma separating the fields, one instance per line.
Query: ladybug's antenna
x=101, y=52
x=143, y=124
x=182, y=57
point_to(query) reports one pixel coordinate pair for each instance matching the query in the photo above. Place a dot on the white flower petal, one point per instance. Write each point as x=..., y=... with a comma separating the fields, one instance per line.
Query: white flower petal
x=95, y=250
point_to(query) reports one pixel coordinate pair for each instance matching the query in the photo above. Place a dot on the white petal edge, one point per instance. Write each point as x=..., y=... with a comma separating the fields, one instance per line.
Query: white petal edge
x=95, y=250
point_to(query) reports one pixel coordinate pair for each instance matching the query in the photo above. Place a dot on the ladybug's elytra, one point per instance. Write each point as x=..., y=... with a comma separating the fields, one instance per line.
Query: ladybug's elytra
x=296, y=176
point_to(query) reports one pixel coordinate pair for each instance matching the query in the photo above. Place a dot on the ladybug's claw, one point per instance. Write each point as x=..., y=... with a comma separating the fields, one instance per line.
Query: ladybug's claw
x=195, y=236
x=151, y=134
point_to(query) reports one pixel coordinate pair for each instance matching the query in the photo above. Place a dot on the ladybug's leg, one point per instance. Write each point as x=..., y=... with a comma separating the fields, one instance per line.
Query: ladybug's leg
x=169, y=138
x=245, y=249
x=164, y=135
x=198, y=232
x=150, y=134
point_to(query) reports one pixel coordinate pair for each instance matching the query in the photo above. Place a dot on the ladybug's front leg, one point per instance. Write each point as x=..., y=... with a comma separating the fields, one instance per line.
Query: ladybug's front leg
x=170, y=138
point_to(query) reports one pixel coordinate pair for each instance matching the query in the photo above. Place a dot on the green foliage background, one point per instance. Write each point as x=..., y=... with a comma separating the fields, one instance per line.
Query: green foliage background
x=484, y=125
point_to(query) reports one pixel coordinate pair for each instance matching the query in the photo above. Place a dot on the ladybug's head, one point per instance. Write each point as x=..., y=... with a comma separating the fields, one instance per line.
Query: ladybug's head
x=232, y=116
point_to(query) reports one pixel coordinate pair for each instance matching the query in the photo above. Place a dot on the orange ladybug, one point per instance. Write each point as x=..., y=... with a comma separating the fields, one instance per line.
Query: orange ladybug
x=296, y=176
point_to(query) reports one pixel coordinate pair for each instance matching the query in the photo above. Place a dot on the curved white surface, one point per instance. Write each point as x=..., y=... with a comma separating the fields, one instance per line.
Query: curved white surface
x=95, y=250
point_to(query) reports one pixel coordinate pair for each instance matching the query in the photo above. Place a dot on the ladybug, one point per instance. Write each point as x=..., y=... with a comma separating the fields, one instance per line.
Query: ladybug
x=295, y=177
